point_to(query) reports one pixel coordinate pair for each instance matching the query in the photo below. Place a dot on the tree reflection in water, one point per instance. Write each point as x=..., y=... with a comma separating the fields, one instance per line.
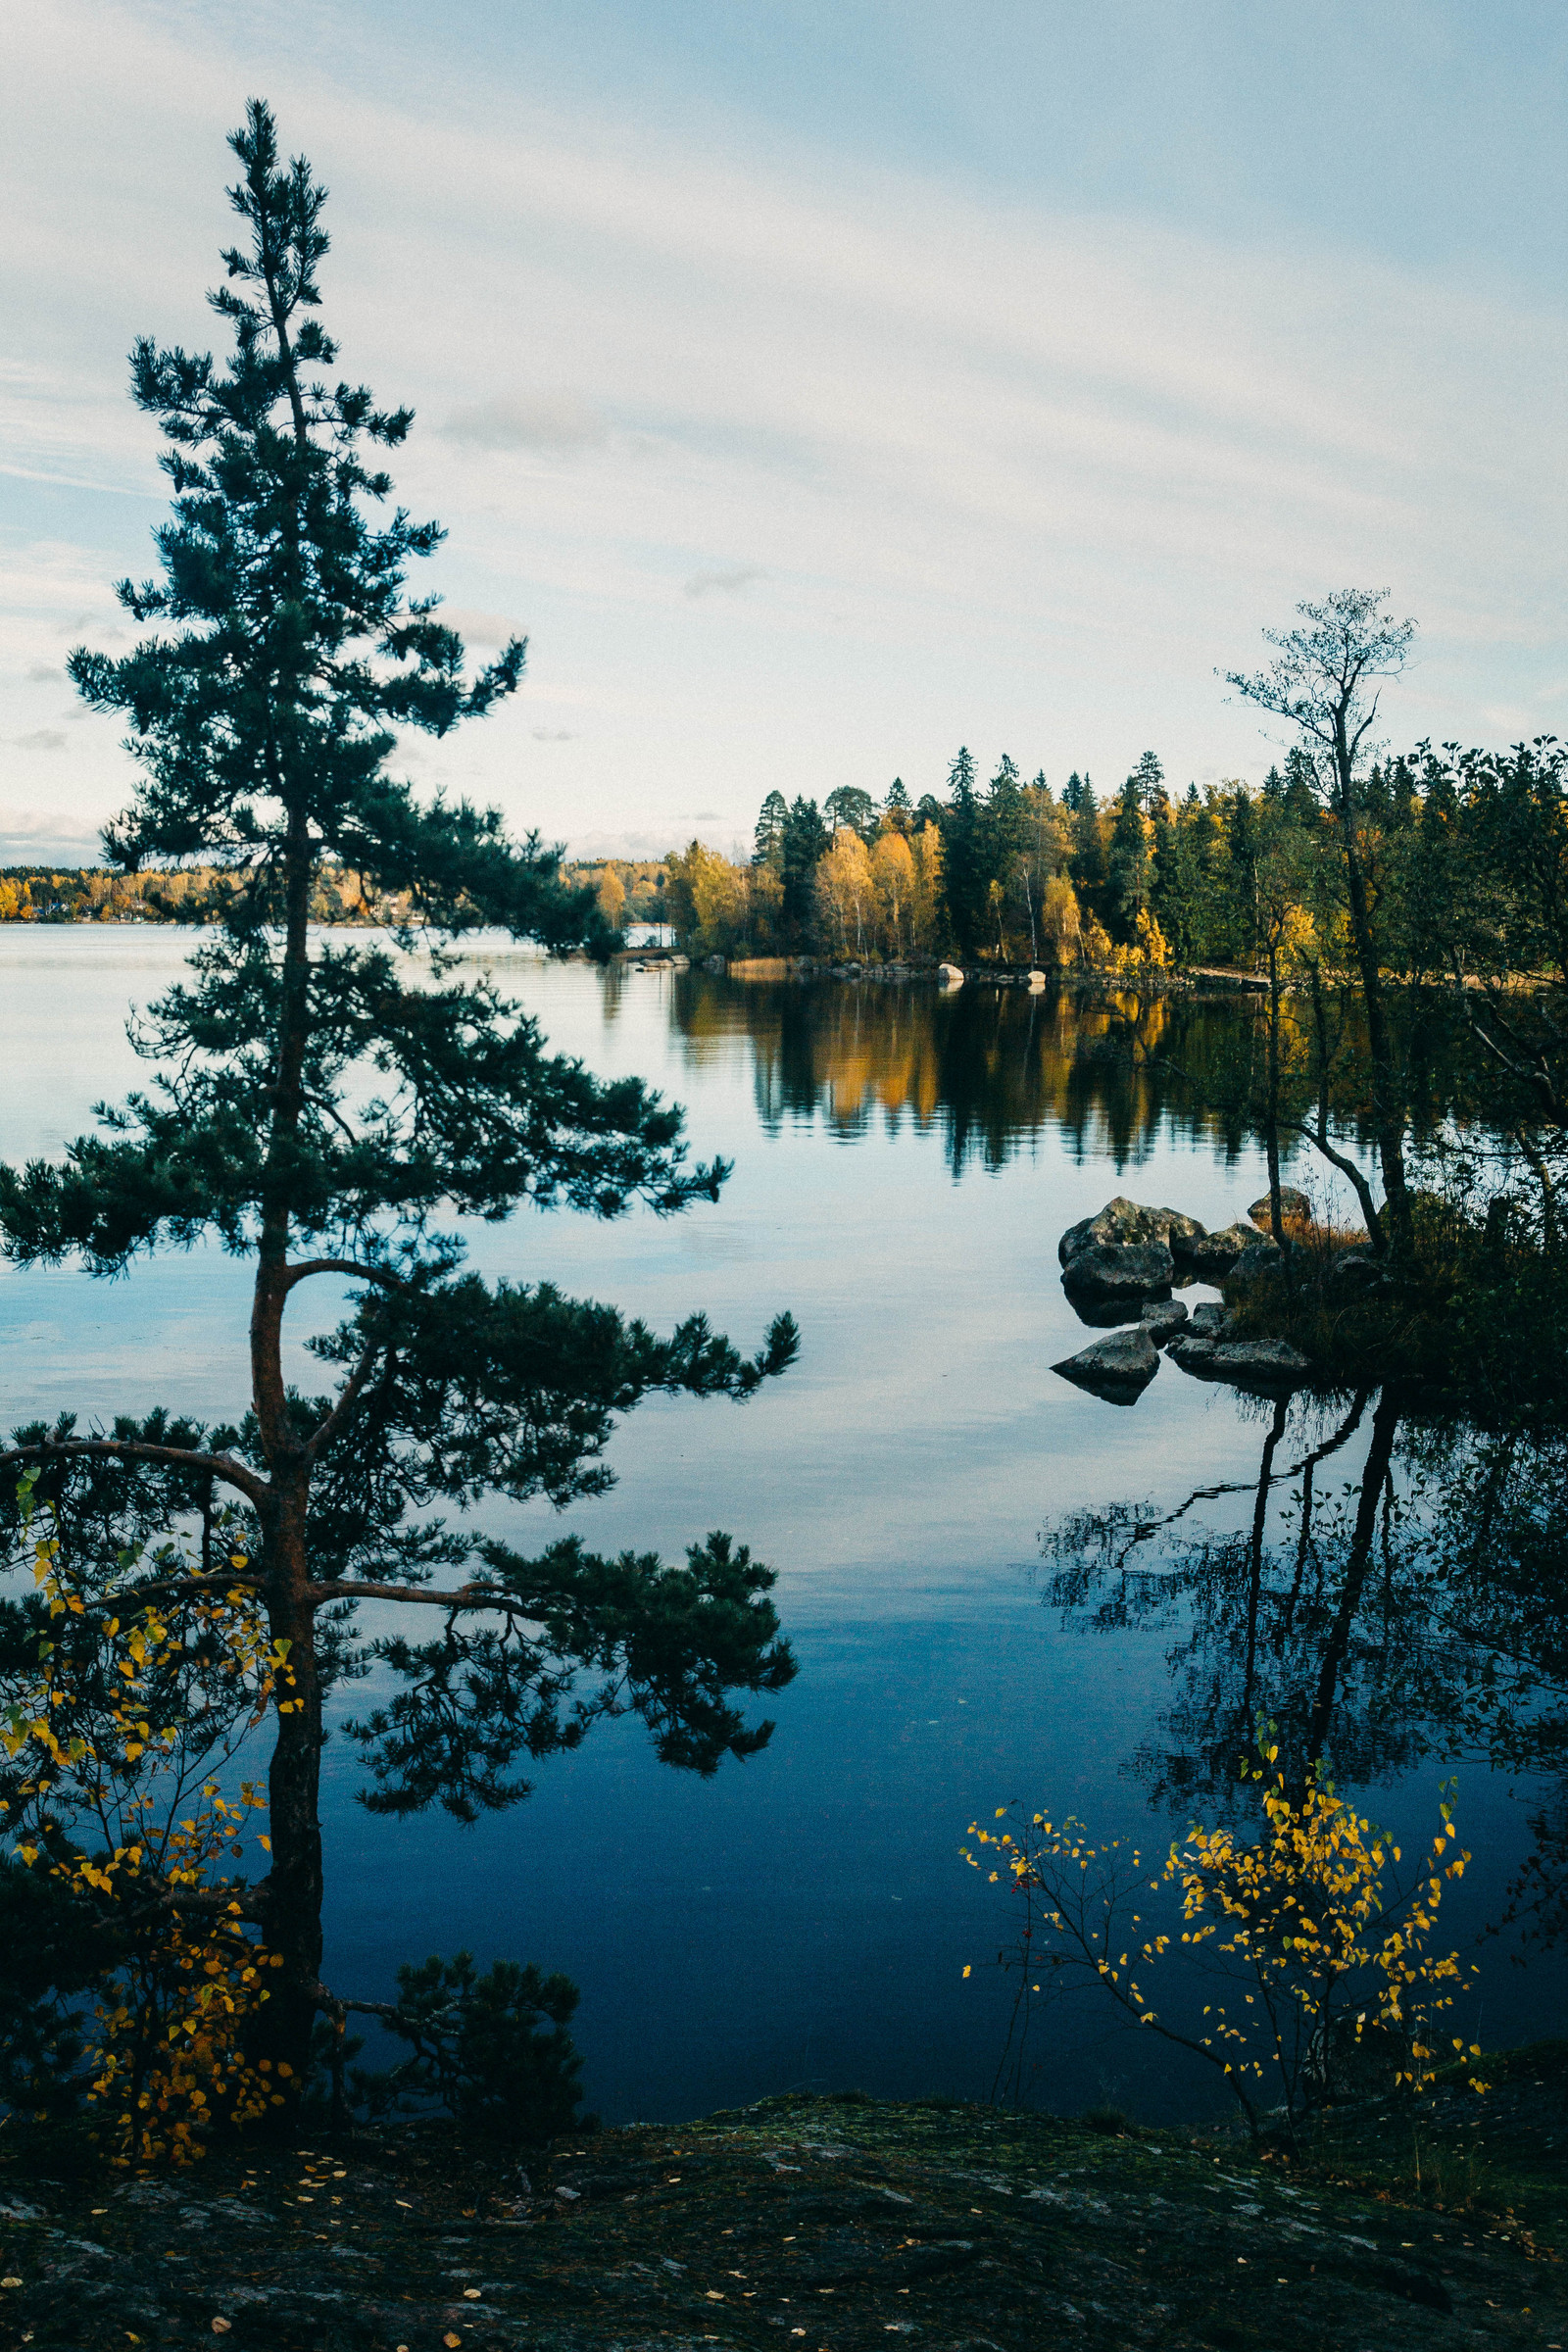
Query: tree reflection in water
x=1415, y=1610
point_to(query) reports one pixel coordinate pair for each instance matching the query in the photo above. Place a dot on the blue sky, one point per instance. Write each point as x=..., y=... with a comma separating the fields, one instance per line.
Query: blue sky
x=822, y=386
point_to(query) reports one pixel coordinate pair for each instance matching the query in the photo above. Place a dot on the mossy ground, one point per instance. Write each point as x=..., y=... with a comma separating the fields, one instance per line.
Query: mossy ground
x=826, y=2225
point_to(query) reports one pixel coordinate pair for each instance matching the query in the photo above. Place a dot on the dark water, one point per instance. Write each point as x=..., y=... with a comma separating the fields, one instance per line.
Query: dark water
x=976, y=1616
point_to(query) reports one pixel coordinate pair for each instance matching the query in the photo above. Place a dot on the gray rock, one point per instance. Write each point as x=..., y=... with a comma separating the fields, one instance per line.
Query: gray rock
x=950, y=975
x=1268, y=1365
x=1124, y=1223
x=1261, y=1258
x=1355, y=1273
x=1118, y=1368
x=1211, y=1254
x=1295, y=1207
x=1107, y=1275
x=1163, y=1319
x=1208, y=1321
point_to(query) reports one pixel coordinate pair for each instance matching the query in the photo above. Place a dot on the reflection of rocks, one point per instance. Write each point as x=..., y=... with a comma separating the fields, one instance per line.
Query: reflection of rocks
x=1122, y=1224
x=1265, y=1364
x=1106, y=1275
x=1295, y=1207
x=1118, y=1368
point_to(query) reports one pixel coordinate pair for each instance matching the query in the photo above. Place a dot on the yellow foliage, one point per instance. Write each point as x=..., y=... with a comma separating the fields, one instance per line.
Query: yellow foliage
x=1060, y=923
x=893, y=881
x=167, y=2046
x=1318, y=1947
x=845, y=894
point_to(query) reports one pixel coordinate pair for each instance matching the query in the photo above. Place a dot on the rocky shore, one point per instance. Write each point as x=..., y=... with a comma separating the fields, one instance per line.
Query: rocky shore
x=1120, y=1269
x=825, y=2224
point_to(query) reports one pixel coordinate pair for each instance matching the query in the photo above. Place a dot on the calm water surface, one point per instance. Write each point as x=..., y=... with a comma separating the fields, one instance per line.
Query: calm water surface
x=903, y=1166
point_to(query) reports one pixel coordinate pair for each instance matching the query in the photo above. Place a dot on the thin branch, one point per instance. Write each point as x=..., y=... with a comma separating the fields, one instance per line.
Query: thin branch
x=467, y=1596
x=341, y=1265
x=134, y=1450
x=177, y=1588
x=348, y=1397
x=1347, y=1167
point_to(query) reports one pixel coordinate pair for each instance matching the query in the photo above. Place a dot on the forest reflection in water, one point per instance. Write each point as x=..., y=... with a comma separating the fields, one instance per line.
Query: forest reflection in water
x=990, y=1068
x=1391, y=1593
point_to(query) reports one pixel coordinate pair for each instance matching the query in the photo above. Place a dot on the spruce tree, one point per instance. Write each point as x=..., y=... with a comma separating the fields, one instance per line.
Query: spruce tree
x=806, y=843
x=320, y=1108
x=769, y=840
x=963, y=855
x=1128, y=862
x=1087, y=864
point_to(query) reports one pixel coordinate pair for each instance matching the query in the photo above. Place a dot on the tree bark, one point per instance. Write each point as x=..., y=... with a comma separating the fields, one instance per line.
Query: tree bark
x=1388, y=1114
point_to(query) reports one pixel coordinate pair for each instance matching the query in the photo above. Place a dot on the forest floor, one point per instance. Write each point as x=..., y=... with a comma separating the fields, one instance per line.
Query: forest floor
x=823, y=2224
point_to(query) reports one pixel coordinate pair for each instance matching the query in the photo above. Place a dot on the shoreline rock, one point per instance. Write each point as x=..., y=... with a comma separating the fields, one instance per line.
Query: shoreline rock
x=1105, y=1273
x=1118, y=1368
x=1267, y=1365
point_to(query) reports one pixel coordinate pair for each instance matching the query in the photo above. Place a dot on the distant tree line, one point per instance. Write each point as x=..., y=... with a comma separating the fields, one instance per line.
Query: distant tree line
x=200, y=894
x=1458, y=855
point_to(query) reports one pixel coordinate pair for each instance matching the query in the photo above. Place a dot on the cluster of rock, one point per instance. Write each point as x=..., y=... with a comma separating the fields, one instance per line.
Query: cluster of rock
x=1119, y=1267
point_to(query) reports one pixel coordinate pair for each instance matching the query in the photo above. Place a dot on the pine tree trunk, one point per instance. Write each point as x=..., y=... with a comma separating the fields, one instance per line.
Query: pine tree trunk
x=293, y=1925
x=293, y=1928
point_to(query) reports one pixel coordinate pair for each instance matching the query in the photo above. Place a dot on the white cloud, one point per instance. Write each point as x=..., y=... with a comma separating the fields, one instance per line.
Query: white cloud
x=44, y=833
x=1023, y=478
x=558, y=422
x=42, y=739
x=480, y=629
x=729, y=580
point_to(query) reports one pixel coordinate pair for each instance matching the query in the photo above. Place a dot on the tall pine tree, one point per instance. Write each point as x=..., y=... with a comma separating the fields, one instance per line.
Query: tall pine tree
x=319, y=1108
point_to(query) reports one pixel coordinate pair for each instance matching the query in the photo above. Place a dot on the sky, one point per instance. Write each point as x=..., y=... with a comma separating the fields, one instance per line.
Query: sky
x=821, y=384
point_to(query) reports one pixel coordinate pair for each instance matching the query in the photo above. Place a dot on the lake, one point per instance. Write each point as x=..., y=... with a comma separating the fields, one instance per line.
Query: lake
x=903, y=1165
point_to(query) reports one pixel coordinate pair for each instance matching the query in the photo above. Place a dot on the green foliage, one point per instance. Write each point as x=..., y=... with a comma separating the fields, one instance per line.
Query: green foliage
x=494, y=2050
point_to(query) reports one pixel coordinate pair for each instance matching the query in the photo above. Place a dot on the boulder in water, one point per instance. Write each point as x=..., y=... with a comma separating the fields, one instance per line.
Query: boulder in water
x=1107, y=1275
x=1125, y=1224
x=1267, y=1365
x=1210, y=1256
x=1162, y=1319
x=1119, y=1369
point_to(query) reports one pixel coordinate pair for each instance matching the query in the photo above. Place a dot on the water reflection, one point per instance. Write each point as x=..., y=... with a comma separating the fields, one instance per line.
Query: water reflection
x=988, y=1067
x=1410, y=1613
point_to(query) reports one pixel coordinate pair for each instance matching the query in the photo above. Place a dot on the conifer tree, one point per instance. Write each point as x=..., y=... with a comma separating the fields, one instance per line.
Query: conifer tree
x=963, y=855
x=806, y=842
x=1129, y=862
x=769, y=840
x=319, y=1108
x=1088, y=850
